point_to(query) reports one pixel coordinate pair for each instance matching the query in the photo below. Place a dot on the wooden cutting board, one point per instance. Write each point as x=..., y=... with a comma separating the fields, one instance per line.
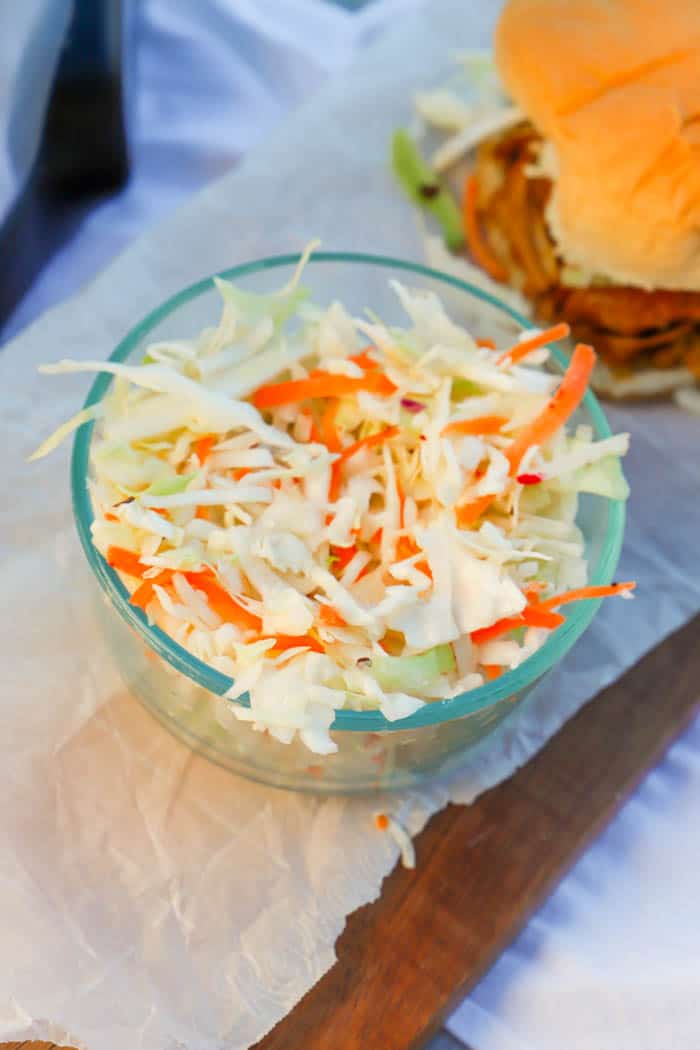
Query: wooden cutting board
x=405, y=960
x=482, y=870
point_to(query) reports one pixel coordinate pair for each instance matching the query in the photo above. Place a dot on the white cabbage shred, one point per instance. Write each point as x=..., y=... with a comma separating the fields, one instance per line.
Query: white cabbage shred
x=320, y=580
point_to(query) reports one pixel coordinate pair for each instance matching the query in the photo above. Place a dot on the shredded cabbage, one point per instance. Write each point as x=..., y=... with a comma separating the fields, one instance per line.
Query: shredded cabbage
x=315, y=539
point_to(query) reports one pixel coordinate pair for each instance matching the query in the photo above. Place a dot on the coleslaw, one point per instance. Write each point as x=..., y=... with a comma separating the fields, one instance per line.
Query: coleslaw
x=341, y=513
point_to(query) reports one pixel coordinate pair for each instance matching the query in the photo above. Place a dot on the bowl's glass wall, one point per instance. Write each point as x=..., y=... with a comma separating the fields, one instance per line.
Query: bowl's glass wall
x=186, y=694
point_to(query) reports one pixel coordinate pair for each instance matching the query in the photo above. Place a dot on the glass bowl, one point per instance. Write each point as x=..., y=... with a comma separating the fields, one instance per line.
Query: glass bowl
x=186, y=695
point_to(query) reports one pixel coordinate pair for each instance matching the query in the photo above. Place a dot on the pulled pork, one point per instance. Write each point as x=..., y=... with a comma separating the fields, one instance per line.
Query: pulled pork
x=632, y=328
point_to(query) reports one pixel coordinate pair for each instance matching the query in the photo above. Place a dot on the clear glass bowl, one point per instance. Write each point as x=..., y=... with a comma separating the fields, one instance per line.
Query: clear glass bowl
x=186, y=694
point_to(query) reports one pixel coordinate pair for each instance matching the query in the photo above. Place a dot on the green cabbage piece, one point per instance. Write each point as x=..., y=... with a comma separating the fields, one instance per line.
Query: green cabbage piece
x=603, y=478
x=411, y=674
x=421, y=184
x=169, y=485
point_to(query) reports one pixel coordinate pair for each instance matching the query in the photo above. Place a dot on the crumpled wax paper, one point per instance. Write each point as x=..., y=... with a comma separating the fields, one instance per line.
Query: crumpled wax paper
x=147, y=898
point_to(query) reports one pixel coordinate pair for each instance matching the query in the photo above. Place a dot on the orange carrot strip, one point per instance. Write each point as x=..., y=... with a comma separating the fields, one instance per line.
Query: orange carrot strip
x=402, y=500
x=381, y=822
x=125, y=561
x=145, y=593
x=468, y=513
x=581, y=593
x=488, y=634
x=535, y=616
x=377, y=536
x=203, y=446
x=364, y=360
x=479, y=250
x=330, y=617
x=347, y=453
x=110, y=517
x=492, y=671
x=406, y=547
x=342, y=556
x=479, y=425
x=520, y=350
x=289, y=641
x=221, y=601
x=488, y=343
x=533, y=590
x=325, y=384
x=558, y=409
x=532, y=616
x=329, y=434
x=203, y=513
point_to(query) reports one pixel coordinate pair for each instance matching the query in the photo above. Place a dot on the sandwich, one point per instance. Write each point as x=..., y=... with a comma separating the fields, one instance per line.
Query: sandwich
x=585, y=196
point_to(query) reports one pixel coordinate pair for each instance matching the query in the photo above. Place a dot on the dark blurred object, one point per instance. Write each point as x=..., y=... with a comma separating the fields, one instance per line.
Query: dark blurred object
x=84, y=145
x=83, y=150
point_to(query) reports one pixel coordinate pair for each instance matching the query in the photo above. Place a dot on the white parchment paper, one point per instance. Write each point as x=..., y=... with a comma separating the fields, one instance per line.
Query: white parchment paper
x=148, y=898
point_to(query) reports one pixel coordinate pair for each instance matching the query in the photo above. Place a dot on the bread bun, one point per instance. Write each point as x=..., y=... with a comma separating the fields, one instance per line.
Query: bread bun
x=614, y=85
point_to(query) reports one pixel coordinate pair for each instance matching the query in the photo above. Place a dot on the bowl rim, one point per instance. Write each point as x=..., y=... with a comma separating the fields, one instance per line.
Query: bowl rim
x=434, y=712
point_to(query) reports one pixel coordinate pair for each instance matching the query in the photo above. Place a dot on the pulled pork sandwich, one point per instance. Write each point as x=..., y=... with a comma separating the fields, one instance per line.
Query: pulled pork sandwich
x=587, y=200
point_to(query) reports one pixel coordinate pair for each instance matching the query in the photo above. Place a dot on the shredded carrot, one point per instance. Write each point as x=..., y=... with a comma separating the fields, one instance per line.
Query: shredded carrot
x=492, y=671
x=488, y=343
x=347, y=453
x=381, y=822
x=330, y=617
x=532, y=616
x=238, y=473
x=145, y=593
x=406, y=547
x=521, y=350
x=324, y=384
x=342, y=556
x=329, y=433
x=402, y=500
x=535, y=616
x=581, y=593
x=125, y=561
x=558, y=409
x=221, y=601
x=289, y=641
x=110, y=517
x=468, y=513
x=423, y=567
x=480, y=251
x=533, y=589
x=479, y=425
x=376, y=537
x=203, y=513
x=488, y=634
x=364, y=360
x=203, y=446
